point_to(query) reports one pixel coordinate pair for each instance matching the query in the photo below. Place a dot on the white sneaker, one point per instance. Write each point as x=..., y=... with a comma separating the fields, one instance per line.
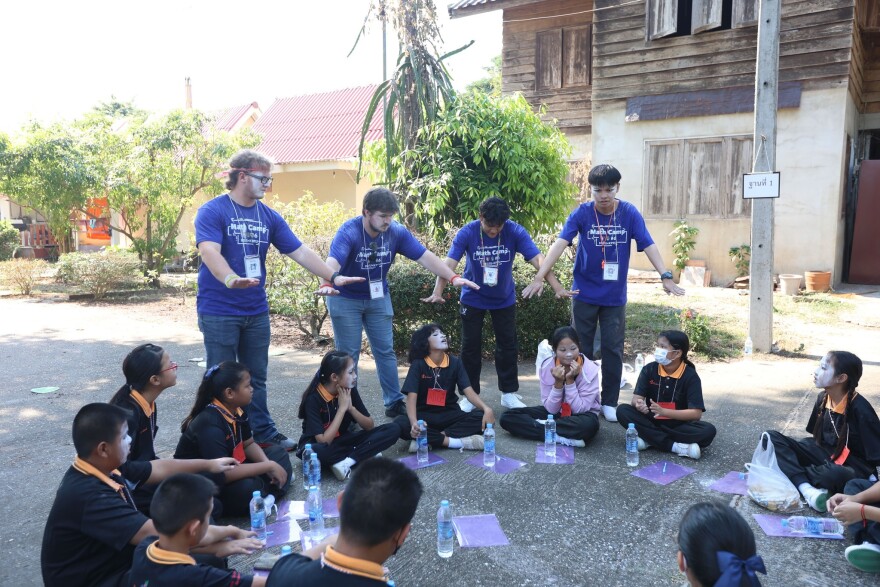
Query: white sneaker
x=465, y=405
x=413, y=447
x=691, y=451
x=816, y=498
x=474, y=442
x=269, y=505
x=609, y=413
x=642, y=444
x=342, y=469
x=864, y=557
x=511, y=400
x=576, y=442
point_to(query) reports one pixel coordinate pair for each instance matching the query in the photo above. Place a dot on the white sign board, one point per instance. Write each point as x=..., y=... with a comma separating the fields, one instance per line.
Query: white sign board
x=760, y=185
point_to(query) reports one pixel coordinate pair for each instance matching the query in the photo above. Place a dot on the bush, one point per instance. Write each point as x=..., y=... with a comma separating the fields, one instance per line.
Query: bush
x=22, y=274
x=9, y=239
x=100, y=272
x=698, y=329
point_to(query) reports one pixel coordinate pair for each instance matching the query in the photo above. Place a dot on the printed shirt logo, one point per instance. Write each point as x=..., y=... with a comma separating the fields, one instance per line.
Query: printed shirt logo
x=248, y=232
x=366, y=260
x=609, y=235
x=493, y=255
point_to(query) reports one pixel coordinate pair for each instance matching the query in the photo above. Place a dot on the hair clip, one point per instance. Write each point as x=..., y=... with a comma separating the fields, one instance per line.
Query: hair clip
x=211, y=371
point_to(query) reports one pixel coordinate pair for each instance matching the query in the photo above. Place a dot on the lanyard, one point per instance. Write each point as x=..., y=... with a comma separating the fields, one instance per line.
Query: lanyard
x=612, y=220
x=660, y=388
x=483, y=248
x=233, y=429
x=373, y=252
x=245, y=230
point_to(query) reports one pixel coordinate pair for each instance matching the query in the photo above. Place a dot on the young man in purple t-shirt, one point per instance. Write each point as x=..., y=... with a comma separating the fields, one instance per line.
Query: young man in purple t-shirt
x=605, y=227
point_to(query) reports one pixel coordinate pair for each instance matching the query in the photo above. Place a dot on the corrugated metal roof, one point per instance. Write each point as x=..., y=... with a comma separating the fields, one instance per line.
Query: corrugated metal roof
x=317, y=127
x=227, y=119
x=465, y=7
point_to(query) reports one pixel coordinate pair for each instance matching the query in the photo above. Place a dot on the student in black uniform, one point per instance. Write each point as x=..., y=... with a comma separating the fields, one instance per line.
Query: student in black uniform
x=667, y=404
x=329, y=408
x=846, y=434
x=375, y=514
x=217, y=426
x=93, y=526
x=430, y=396
x=181, y=511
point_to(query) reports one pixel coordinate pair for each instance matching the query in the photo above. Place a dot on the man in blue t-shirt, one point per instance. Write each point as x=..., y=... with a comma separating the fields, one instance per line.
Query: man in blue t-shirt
x=605, y=227
x=490, y=244
x=233, y=234
x=365, y=246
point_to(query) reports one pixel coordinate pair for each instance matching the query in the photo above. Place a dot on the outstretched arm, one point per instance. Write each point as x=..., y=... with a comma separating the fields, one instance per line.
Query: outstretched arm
x=553, y=255
x=653, y=254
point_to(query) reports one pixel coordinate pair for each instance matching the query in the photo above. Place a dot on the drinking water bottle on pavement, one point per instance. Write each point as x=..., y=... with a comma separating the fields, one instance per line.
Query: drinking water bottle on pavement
x=550, y=436
x=747, y=349
x=315, y=507
x=445, y=534
x=258, y=516
x=815, y=526
x=489, y=446
x=307, y=461
x=314, y=471
x=632, y=446
x=639, y=364
x=422, y=443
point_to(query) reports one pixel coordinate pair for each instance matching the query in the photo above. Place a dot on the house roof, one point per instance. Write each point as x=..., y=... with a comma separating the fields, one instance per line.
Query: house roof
x=317, y=127
x=228, y=119
x=468, y=7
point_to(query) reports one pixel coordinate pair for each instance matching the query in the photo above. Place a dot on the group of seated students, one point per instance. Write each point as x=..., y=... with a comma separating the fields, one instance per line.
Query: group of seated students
x=108, y=503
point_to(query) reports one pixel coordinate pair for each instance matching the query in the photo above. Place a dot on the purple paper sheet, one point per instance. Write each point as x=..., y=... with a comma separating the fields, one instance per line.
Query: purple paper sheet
x=310, y=539
x=412, y=461
x=654, y=473
x=283, y=532
x=772, y=526
x=564, y=455
x=503, y=465
x=734, y=482
x=479, y=531
x=297, y=509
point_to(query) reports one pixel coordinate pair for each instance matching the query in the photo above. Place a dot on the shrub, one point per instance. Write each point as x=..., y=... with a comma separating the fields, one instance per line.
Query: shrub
x=100, y=272
x=684, y=241
x=698, y=329
x=22, y=274
x=9, y=239
x=741, y=257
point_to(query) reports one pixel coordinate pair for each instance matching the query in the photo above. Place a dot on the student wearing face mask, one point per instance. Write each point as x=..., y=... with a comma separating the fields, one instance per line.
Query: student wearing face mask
x=667, y=404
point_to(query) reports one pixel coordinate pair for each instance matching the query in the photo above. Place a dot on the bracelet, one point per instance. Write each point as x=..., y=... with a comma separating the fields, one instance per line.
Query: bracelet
x=333, y=278
x=666, y=275
x=864, y=519
x=452, y=279
x=230, y=277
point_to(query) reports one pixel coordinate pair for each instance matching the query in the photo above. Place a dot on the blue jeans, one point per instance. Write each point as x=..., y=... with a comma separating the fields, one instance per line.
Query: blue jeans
x=350, y=318
x=244, y=339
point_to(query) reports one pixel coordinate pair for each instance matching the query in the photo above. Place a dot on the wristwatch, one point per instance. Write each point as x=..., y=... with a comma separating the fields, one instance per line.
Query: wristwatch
x=333, y=278
x=666, y=275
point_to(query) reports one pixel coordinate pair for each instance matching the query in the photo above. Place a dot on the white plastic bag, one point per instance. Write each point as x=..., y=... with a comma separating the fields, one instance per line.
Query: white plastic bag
x=545, y=351
x=767, y=485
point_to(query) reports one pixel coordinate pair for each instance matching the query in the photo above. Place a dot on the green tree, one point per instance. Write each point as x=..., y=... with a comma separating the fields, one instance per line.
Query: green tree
x=491, y=84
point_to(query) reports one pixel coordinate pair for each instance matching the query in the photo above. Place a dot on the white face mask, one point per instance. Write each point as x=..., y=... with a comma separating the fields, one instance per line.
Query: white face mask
x=824, y=375
x=660, y=356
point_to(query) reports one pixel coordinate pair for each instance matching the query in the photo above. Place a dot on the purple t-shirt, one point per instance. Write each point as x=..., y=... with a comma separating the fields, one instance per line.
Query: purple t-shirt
x=604, y=238
x=360, y=255
x=240, y=232
x=482, y=251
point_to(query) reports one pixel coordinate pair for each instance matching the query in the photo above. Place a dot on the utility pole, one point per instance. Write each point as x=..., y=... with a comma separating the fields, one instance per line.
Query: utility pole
x=764, y=146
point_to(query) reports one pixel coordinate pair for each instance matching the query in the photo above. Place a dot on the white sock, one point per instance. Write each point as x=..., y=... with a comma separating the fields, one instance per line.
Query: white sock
x=455, y=443
x=347, y=461
x=807, y=489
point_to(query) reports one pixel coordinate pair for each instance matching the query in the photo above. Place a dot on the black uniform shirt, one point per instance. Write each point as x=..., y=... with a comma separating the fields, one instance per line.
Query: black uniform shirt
x=424, y=374
x=154, y=567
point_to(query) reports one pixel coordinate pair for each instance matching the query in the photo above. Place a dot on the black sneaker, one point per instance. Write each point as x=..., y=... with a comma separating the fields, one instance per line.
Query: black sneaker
x=282, y=441
x=396, y=409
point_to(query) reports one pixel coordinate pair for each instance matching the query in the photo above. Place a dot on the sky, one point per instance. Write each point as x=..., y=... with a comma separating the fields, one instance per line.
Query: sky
x=62, y=58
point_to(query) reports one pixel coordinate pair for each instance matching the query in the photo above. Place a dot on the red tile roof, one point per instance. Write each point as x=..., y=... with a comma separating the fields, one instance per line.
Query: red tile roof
x=317, y=127
x=227, y=119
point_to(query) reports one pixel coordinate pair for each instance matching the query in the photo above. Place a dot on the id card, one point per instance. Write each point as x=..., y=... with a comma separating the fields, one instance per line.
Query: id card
x=252, y=267
x=376, y=290
x=490, y=276
x=668, y=406
x=238, y=453
x=436, y=397
x=610, y=272
x=844, y=454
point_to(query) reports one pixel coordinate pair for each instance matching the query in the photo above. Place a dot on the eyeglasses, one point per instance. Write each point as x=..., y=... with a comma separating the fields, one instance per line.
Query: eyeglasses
x=173, y=367
x=373, y=254
x=265, y=180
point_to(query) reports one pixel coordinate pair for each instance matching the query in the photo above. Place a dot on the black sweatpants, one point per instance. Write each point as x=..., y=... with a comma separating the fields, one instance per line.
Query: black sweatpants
x=506, y=348
x=663, y=434
x=805, y=461
x=611, y=321
x=236, y=496
x=452, y=423
x=359, y=445
x=522, y=422
x=871, y=532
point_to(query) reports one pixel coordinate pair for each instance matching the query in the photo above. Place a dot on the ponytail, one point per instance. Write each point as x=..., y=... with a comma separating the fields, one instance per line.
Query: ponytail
x=139, y=366
x=218, y=378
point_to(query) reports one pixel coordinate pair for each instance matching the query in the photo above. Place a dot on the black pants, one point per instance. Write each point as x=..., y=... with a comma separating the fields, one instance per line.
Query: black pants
x=521, y=422
x=612, y=320
x=506, y=347
x=663, y=433
x=871, y=532
x=451, y=423
x=236, y=496
x=804, y=461
x=359, y=445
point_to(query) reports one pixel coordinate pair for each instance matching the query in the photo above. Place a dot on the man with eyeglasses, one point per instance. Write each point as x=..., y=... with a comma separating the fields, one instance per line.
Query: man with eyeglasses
x=233, y=234
x=605, y=227
x=365, y=246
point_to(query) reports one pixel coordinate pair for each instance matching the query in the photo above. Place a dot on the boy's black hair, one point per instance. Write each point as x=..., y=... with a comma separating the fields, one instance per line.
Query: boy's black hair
x=380, y=498
x=381, y=200
x=97, y=423
x=494, y=211
x=179, y=500
x=418, y=345
x=604, y=175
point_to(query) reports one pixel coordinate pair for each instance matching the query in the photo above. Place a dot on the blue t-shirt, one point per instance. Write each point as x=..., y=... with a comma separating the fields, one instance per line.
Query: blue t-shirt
x=482, y=251
x=359, y=255
x=604, y=238
x=240, y=232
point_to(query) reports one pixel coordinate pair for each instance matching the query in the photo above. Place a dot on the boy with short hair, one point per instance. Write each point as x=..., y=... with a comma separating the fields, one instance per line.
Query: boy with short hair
x=375, y=514
x=181, y=510
x=94, y=526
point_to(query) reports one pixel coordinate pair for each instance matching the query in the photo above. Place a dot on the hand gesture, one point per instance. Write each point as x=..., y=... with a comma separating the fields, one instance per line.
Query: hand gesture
x=277, y=475
x=240, y=546
x=640, y=405
x=535, y=288
x=564, y=293
x=243, y=282
x=221, y=465
x=342, y=280
x=327, y=290
x=837, y=499
x=670, y=287
x=414, y=430
x=488, y=417
x=434, y=299
x=657, y=410
x=558, y=373
x=462, y=282
x=573, y=372
x=848, y=512
x=344, y=398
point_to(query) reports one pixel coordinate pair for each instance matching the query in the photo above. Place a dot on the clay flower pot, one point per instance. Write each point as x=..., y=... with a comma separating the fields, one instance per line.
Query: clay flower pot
x=817, y=281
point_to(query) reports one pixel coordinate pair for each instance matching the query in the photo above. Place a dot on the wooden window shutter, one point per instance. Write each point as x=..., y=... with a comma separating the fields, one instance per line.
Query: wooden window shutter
x=706, y=15
x=739, y=161
x=745, y=13
x=662, y=17
x=576, y=56
x=663, y=194
x=548, y=60
x=703, y=176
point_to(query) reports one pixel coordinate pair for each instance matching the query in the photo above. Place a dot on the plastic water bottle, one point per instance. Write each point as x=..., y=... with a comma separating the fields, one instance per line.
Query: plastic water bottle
x=316, y=509
x=314, y=471
x=747, y=349
x=639, y=363
x=632, y=446
x=285, y=550
x=258, y=516
x=307, y=461
x=816, y=526
x=422, y=443
x=550, y=436
x=489, y=446
x=444, y=530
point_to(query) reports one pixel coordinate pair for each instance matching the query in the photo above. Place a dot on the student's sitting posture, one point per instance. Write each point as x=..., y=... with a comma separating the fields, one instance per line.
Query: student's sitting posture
x=218, y=427
x=94, y=526
x=330, y=407
x=375, y=512
x=859, y=507
x=716, y=548
x=181, y=511
x=430, y=396
x=667, y=403
x=569, y=391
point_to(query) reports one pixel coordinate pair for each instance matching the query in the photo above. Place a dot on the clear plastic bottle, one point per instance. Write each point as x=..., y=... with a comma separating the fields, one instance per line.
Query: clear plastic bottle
x=315, y=506
x=747, y=348
x=314, y=471
x=632, y=446
x=639, y=363
x=445, y=534
x=817, y=526
x=489, y=446
x=306, y=461
x=258, y=516
x=285, y=550
x=550, y=436
x=422, y=443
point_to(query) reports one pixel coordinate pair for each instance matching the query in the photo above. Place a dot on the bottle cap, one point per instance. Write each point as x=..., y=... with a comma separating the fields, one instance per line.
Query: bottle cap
x=549, y=416
x=313, y=487
x=489, y=425
x=631, y=426
x=308, y=446
x=445, y=502
x=257, y=494
x=285, y=550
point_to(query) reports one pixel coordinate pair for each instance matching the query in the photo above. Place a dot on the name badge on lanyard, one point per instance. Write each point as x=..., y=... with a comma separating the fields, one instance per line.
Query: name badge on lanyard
x=376, y=290
x=490, y=276
x=252, y=267
x=610, y=271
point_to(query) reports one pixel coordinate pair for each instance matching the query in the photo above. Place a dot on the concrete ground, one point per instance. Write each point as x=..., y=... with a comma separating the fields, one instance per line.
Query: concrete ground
x=587, y=524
